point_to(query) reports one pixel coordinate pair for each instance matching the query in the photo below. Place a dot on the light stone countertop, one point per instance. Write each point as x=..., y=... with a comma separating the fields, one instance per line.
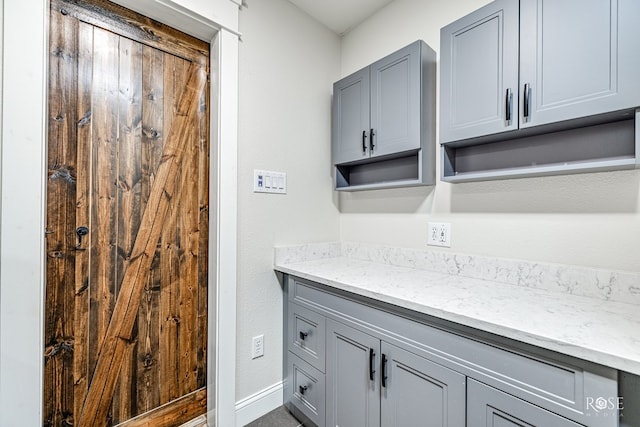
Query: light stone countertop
x=601, y=331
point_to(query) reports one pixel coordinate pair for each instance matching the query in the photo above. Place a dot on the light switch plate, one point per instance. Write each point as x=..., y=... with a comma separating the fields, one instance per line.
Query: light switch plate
x=269, y=182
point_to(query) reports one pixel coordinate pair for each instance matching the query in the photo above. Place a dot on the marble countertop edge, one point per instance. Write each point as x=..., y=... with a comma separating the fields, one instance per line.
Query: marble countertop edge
x=589, y=341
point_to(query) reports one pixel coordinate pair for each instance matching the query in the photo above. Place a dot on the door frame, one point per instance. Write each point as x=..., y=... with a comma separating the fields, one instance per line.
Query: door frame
x=23, y=202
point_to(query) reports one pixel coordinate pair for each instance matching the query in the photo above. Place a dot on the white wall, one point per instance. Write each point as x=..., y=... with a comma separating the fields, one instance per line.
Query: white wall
x=1, y=79
x=288, y=63
x=21, y=247
x=589, y=219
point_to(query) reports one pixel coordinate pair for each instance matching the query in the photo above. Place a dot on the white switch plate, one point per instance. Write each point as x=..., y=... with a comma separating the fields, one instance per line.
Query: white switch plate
x=439, y=234
x=257, y=346
x=269, y=182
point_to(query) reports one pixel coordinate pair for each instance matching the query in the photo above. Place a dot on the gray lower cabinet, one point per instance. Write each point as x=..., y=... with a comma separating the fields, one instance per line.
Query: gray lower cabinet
x=356, y=362
x=305, y=389
x=418, y=392
x=353, y=386
x=373, y=383
x=489, y=407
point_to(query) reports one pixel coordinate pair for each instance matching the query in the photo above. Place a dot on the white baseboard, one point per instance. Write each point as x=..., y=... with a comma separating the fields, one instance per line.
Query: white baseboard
x=196, y=422
x=253, y=407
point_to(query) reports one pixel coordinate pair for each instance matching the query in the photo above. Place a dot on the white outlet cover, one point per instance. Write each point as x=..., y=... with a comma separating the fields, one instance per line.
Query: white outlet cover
x=257, y=346
x=439, y=234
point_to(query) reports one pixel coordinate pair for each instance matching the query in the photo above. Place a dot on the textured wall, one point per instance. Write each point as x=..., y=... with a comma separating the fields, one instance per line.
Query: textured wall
x=288, y=63
x=590, y=219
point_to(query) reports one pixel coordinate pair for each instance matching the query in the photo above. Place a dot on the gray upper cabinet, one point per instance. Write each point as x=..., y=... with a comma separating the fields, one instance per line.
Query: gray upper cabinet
x=395, y=102
x=384, y=122
x=479, y=73
x=534, y=87
x=513, y=65
x=351, y=117
x=578, y=58
x=376, y=111
x=417, y=391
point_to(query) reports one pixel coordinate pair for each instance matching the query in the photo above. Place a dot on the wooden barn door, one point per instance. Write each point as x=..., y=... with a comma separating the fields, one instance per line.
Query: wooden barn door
x=127, y=220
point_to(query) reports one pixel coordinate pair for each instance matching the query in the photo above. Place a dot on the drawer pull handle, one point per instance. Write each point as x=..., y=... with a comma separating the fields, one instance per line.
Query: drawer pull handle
x=303, y=335
x=383, y=374
x=302, y=389
x=372, y=356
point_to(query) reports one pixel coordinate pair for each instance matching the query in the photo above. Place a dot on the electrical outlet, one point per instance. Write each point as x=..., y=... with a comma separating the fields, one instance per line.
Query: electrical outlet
x=257, y=347
x=439, y=234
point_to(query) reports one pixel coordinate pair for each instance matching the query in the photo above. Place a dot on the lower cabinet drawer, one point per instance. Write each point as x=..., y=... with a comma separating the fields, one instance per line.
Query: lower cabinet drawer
x=306, y=335
x=305, y=389
x=489, y=407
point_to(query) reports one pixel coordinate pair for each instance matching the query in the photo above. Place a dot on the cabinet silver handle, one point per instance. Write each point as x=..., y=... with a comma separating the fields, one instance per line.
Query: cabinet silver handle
x=508, y=106
x=527, y=100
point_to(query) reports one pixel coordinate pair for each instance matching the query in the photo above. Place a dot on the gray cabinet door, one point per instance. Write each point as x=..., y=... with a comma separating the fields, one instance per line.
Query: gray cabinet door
x=395, y=102
x=351, y=97
x=353, y=398
x=488, y=407
x=578, y=58
x=418, y=392
x=479, y=73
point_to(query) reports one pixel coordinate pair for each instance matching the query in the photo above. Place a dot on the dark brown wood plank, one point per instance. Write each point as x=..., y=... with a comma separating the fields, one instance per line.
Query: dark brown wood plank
x=104, y=209
x=188, y=265
x=174, y=413
x=125, y=22
x=104, y=174
x=125, y=311
x=129, y=201
x=60, y=236
x=149, y=318
x=169, y=266
x=83, y=217
x=203, y=245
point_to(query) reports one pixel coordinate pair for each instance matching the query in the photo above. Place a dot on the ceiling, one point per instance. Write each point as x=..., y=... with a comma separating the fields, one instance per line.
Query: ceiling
x=340, y=15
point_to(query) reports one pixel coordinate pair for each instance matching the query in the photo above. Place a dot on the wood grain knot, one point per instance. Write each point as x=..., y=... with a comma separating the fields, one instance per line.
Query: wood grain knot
x=84, y=120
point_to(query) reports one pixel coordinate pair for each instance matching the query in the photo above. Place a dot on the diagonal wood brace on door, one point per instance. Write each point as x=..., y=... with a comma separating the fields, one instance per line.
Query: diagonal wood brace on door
x=118, y=335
